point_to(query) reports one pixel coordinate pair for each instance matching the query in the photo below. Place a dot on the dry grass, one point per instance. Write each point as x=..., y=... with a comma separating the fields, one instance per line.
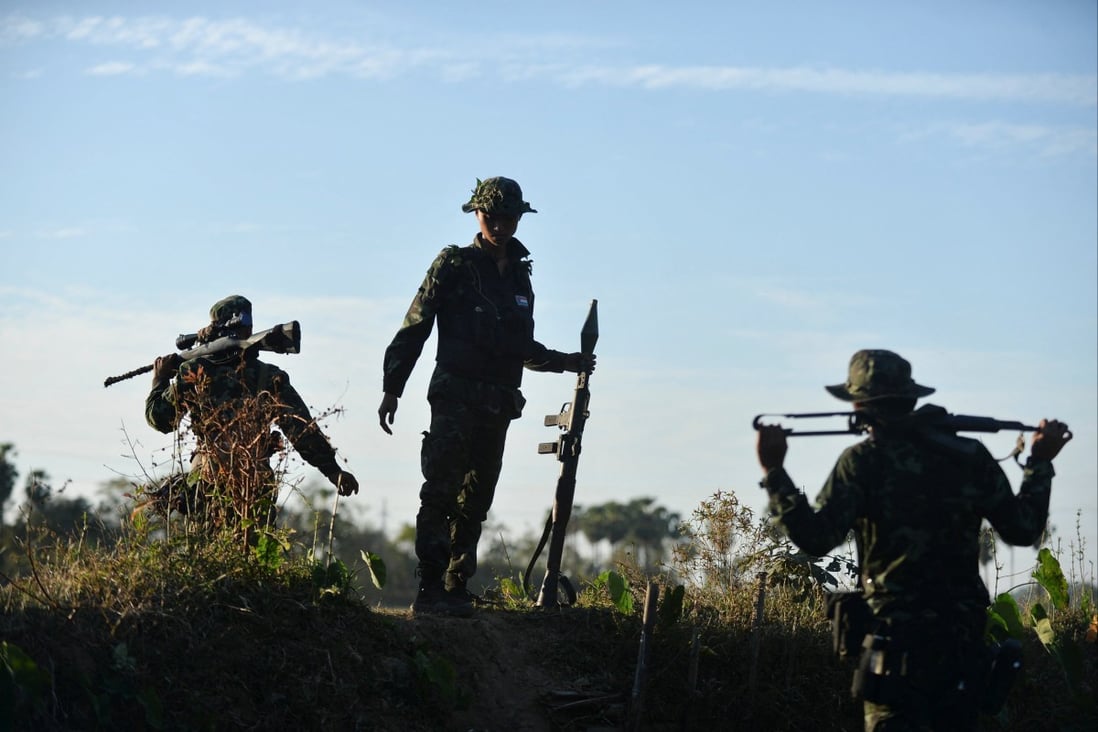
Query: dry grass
x=173, y=627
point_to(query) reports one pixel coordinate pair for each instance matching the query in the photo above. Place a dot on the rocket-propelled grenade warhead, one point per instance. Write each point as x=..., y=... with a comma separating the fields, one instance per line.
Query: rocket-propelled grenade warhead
x=589, y=334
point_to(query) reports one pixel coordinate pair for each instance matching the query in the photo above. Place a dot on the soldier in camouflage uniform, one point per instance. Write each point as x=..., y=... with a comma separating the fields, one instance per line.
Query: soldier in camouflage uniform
x=233, y=398
x=483, y=301
x=915, y=499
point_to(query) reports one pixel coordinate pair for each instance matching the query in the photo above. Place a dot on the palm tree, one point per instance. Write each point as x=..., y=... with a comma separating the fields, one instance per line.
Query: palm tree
x=639, y=521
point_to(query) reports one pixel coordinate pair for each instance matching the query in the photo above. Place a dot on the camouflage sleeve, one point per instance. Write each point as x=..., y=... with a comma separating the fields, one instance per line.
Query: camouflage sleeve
x=816, y=531
x=297, y=423
x=1019, y=519
x=407, y=344
x=544, y=359
x=160, y=407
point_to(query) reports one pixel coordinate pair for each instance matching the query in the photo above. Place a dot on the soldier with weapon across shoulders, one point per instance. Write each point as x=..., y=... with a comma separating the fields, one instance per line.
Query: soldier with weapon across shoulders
x=233, y=398
x=483, y=301
x=915, y=496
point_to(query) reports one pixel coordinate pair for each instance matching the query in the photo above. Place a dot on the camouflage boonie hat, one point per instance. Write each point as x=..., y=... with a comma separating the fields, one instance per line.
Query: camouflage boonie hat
x=876, y=374
x=227, y=307
x=501, y=196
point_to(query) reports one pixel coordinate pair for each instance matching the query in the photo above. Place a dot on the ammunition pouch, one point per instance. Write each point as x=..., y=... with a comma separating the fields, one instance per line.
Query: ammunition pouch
x=882, y=671
x=850, y=618
x=1006, y=664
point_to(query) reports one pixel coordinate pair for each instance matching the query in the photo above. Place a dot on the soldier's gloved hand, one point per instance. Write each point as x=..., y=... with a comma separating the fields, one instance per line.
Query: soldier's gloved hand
x=1049, y=439
x=165, y=367
x=345, y=482
x=577, y=362
x=771, y=446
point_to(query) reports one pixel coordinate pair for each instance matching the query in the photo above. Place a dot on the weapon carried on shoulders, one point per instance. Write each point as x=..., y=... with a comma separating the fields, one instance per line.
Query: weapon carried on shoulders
x=570, y=420
x=284, y=338
x=933, y=424
x=859, y=422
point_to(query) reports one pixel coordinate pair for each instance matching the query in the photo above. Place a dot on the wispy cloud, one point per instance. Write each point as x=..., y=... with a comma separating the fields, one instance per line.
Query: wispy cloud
x=244, y=227
x=68, y=232
x=207, y=47
x=805, y=300
x=1047, y=140
x=15, y=28
x=111, y=68
x=200, y=46
x=1050, y=140
x=1055, y=88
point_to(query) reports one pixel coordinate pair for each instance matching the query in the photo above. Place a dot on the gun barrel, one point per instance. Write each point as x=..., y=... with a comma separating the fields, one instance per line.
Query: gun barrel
x=857, y=422
x=853, y=423
x=128, y=375
x=968, y=423
x=283, y=338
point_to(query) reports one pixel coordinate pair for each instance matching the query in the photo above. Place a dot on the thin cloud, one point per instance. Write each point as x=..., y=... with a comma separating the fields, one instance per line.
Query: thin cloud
x=138, y=33
x=112, y=68
x=1054, y=88
x=1051, y=141
x=995, y=135
x=70, y=232
x=810, y=301
x=15, y=28
x=201, y=68
x=245, y=227
x=203, y=46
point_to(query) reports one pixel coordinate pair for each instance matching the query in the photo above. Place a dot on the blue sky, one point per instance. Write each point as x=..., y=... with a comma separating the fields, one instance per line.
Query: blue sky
x=751, y=195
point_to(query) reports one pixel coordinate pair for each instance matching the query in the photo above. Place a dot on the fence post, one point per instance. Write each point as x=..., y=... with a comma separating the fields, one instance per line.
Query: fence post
x=636, y=701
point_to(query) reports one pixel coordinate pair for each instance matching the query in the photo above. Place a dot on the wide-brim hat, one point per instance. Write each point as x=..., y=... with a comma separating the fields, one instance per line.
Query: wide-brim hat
x=499, y=196
x=878, y=374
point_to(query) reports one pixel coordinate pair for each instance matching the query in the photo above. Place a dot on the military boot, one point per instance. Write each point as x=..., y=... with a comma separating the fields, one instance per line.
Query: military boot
x=460, y=600
x=431, y=597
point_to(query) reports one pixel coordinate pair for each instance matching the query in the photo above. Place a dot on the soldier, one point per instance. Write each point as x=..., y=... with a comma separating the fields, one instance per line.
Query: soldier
x=915, y=499
x=484, y=303
x=233, y=398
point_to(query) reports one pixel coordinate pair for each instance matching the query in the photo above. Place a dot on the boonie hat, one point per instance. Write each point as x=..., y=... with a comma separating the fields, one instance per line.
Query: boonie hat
x=234, y=305
x=501, y=196
x=877, y=374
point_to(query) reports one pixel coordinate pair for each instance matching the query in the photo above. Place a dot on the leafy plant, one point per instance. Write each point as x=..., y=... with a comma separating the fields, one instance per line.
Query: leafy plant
x=332, y=579
x=618, y=587
x=1005, y=619
x=378, y=573
x=23, y=684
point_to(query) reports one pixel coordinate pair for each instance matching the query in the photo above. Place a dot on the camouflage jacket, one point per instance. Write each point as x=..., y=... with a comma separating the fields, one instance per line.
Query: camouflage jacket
x=242, y=395
x=485, y=321
x=915, y=506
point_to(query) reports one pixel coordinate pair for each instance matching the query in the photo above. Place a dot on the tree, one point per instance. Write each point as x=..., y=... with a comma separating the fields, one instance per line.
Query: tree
x=8, y=474
x=650, y=527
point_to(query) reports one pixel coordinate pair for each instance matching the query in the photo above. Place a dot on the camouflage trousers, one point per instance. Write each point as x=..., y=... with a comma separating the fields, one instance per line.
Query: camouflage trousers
x=937, y=676
x=461, y=458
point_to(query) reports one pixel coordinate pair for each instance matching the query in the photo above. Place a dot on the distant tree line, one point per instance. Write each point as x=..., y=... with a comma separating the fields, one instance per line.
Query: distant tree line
x=638, y=532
